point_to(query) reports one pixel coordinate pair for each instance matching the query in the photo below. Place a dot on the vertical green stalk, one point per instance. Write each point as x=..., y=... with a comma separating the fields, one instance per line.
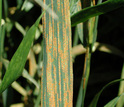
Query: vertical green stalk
x=80, y=26
x=87, y=38
x=76, y=38
x=5, y=8
x=121, y=90
x=0, y=11
x=0, y=26
x=0, y=35
x=84, y=81
x=37, y=102
x=78, y=29
x=90, y=35
x=90, y=32
x=57, y=75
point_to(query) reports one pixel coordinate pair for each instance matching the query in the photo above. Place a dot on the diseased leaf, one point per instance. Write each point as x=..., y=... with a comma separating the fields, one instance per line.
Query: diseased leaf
x=47, y=8
x=57, y=74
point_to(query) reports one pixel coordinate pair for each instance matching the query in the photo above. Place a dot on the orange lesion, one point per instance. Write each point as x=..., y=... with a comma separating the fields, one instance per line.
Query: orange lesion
x=50, y=83
x=84, y=82
x=59, y=71
x=58, y=5
x=63, y=53
x=54, y=47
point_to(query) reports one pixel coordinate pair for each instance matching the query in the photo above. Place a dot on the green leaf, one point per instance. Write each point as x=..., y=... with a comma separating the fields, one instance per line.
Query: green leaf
x=113, y=102
x=96, y=98
x=25, y=73
x=80, y=26
x=89, y=12
x=94, y=30
x=17, y=62
x=37, y=103
x=80, y=95
x=19, y=3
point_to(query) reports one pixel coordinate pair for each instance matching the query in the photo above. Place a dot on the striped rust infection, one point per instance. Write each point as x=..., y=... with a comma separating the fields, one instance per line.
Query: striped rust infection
x=57, y=75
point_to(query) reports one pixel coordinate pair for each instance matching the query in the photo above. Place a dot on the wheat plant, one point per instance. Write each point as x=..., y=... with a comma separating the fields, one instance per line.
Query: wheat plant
x=40, y=41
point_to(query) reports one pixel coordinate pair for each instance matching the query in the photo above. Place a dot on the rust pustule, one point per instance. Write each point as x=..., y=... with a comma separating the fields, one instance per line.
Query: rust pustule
x=56, y=79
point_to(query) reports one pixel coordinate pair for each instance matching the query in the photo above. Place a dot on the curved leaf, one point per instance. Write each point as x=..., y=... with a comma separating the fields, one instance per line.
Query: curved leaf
x=89, y=12
x=17, y=62
x=96, y=98
x=121, y=90
x=113, y=102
